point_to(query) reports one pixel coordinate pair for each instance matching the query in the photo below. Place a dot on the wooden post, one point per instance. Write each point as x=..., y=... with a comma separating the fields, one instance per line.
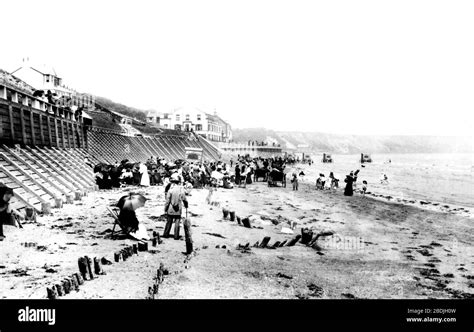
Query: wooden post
x=46, y=208
x=124, y=254
x=188, y=236
x=59, y=289
x=225, y=212
x=66, y=286
x=90, y=267
x=232, y=215
x=32, y=125
x=117, y=256
x=30, y=214
x=154, y=242
x=282, y=244
x=159, y=238
x=50, y=134
x=239, y=220
x=69, y=199
x=56, y=131
x=276, y=244
x=256, y=244
x=78, y=195
x=23, y=126
x=12, y=128
x=83, y=268
x=74, y=283
x=246, y=222
x=294, y=240
x=52, y=293
x=306, y=235
x=58, y=203
x=79, y=279
x=142, y=246
x=265, y=241
x=43, y=142
x=135, y=249
x=63, y=139
x=98, y=267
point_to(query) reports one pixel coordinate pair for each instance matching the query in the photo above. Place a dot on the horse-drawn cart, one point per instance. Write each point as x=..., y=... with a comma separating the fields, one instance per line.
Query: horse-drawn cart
x=260, y=173
x=276, y=176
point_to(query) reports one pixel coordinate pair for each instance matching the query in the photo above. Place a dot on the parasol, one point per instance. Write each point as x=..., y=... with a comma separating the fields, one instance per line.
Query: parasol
x=132, y=201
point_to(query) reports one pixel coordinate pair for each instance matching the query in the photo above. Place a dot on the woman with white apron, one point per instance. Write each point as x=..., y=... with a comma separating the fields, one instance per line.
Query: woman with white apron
x=145, y=180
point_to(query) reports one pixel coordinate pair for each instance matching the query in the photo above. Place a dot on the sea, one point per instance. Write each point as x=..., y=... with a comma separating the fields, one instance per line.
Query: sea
x=441, y=178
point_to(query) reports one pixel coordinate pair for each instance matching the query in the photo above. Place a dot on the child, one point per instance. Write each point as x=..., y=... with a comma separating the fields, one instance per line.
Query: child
x=301, y=175
x=294, y=180
x=320, y=182
x=364, y=187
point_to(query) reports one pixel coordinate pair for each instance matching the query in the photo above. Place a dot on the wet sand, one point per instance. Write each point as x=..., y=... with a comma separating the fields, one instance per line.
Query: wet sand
x=392, y=250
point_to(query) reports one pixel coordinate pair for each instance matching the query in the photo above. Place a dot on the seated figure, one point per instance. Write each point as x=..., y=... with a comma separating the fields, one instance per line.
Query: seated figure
x=8, y=216
x=128, y=218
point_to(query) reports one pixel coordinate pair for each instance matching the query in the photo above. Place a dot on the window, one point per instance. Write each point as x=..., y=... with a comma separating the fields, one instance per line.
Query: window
x=177, y=117
x=199, y=117
x=166, y=126
x=208, y=127
x=187, y=117
x=198, y=127
x=177, y=127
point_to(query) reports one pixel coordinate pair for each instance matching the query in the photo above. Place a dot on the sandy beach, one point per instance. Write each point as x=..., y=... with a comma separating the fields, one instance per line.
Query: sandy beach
x=381, y=249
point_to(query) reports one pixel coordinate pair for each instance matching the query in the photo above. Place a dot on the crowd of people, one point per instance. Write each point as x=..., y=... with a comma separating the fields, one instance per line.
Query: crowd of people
x=188, y=175
x=155, y=171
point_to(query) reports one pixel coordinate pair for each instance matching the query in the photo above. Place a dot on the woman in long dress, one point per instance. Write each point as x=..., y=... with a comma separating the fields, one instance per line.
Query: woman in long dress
x=349, y=191
x=145, y=180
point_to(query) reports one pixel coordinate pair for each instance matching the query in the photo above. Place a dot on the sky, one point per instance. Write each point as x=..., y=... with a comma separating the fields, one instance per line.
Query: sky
x=346, y=67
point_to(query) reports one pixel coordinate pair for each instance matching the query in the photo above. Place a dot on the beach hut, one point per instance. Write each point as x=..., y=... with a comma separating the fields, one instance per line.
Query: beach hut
x=365, y=158
x=327, y=158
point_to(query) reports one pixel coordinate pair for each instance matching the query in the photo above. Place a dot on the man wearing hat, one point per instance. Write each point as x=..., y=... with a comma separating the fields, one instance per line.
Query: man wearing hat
x=175, y=199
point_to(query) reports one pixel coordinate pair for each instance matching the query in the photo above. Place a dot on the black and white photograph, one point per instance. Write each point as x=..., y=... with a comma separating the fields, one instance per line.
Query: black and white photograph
x=253, y=150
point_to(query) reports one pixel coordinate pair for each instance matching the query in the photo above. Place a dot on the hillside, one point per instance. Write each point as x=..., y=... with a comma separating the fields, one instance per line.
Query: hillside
x=122, y=109
x=350, y=144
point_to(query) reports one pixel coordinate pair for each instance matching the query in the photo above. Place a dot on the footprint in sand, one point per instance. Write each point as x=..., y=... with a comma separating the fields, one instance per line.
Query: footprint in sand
x=425, y=252
x=434, y=260
x=429, y=273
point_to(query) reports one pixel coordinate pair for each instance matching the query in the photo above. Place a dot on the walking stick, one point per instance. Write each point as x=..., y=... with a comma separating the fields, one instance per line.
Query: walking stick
x=187, y=234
